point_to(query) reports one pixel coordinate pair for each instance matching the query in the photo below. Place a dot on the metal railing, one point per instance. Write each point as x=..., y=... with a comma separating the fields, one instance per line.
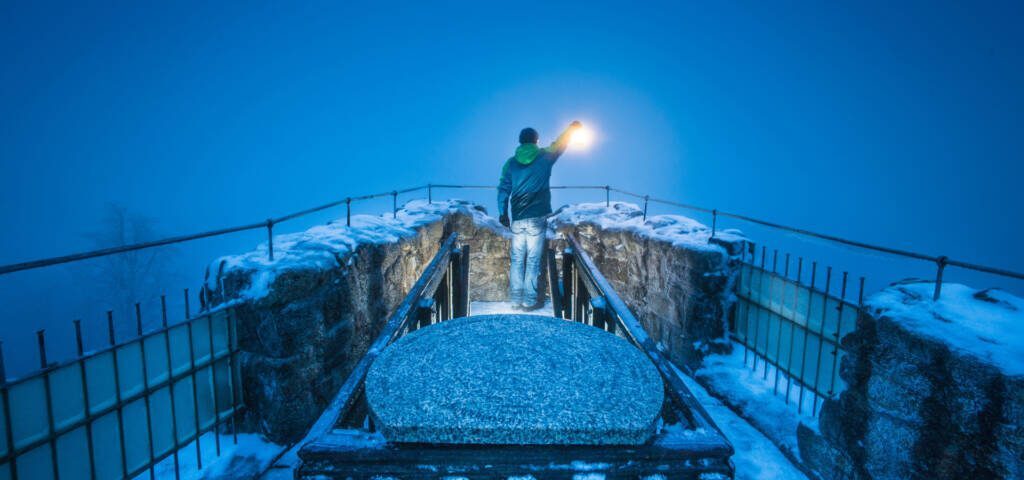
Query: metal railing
x=118, y=411
x=441, y=293
x=587, y=297
x=793, y=328
x=940, y=261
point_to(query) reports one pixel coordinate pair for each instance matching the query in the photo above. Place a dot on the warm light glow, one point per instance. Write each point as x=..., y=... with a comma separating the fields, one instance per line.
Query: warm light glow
x=581, y=138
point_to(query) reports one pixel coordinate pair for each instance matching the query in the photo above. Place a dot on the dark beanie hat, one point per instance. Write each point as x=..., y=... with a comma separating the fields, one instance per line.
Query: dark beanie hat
x=528, y=135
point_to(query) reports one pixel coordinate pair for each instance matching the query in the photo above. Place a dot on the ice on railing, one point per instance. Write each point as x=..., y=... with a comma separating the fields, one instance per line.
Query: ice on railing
x=322, y=246
x=624, y=216
x=988, y=324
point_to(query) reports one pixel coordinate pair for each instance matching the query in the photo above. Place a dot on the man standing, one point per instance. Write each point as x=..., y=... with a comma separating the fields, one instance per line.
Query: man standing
x=526, y=183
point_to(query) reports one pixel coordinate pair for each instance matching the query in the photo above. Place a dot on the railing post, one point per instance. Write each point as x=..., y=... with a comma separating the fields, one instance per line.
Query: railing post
x=394, y=204
x=568, y=285
x=461, y=284
x=941, y=263
x=430, y=193
x=607, y=195
x=714, y=221
x=270, y=238
x=646, y=198
x=348, y=211
x=7, y=415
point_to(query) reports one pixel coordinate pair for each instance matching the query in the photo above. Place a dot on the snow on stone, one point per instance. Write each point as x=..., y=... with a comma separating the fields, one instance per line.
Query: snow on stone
x=760, y=400
x=323, y=246
x=678, y=230
x=988, y=324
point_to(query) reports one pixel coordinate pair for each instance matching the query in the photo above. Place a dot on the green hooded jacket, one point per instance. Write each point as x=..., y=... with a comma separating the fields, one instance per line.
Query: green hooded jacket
x=525, y=184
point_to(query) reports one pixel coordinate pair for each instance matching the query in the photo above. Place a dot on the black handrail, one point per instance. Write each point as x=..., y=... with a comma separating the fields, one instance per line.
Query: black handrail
x=941, y=262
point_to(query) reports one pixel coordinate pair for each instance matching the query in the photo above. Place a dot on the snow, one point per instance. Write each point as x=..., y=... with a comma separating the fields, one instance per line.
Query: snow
x=756, y=457
x=252, y=455
x=502, y=308
x=758, y=398
x=987, y=324
x=677, y=230
x=324, y=246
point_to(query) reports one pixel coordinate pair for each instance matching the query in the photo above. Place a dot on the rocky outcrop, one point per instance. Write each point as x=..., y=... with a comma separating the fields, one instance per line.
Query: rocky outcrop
x=930, y=393
x=676, y=278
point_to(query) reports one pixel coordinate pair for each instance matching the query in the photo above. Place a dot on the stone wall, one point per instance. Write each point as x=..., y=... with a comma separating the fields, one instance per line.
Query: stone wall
x=915, y=407
x=301, y=339
x=681, y=293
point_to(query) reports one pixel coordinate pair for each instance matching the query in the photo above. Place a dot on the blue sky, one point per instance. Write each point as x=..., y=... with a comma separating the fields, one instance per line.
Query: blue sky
x=893, y=124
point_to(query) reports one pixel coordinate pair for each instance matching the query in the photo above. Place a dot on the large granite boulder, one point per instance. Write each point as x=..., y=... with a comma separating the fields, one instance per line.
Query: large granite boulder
x=935, y=389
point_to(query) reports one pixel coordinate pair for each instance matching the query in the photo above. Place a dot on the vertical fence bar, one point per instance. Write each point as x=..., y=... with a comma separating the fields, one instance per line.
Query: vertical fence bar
x=793, y=324
x=778, y=335
x=714, y=221
x=821, y=339
x=188, y=314
x=270, y=238
x=195, y=393
x=394, y=204
x=8, y=432
x=47, y=392
x=145, y=387
x=348, y=211
x=807, y=332
x=940, y=267
x=760, y=293
x=213, y=378
x=768, y=334
x=170, y=385
x=839, y=328
x=646, y=198
x=231, y=374
x=83, y=377
x=750, y=300
x=112, y=340
x=430, y=193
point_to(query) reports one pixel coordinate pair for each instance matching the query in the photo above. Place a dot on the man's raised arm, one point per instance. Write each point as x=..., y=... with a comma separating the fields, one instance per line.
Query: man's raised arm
x=557, y=148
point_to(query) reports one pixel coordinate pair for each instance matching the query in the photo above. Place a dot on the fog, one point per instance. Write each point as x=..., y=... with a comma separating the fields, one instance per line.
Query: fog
x=893, y=125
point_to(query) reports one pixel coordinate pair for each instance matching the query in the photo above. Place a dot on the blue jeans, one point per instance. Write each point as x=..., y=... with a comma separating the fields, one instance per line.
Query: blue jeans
x=527, y=251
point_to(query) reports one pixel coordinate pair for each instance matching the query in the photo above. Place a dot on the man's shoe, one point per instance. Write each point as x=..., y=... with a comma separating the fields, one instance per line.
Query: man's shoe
x=534, y=307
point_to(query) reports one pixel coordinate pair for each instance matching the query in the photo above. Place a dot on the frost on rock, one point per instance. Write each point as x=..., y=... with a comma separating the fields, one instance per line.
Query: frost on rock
x=677, y=230
x=988, y=324
x=327, y=246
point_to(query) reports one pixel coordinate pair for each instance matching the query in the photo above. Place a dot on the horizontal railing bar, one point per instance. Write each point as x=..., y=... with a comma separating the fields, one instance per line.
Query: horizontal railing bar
x=17, y=267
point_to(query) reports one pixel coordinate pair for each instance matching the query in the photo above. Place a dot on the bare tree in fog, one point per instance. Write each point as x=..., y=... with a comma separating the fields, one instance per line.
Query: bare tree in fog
x=123, y=279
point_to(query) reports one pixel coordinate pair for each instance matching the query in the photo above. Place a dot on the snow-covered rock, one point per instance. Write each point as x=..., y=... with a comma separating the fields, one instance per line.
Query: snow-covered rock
x=935, y=389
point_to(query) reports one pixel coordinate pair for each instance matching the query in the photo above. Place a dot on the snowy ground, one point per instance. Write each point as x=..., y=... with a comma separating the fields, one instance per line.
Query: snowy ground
x=252, y=455
x=756, y=394
x=756, y=457
x=495, y=308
